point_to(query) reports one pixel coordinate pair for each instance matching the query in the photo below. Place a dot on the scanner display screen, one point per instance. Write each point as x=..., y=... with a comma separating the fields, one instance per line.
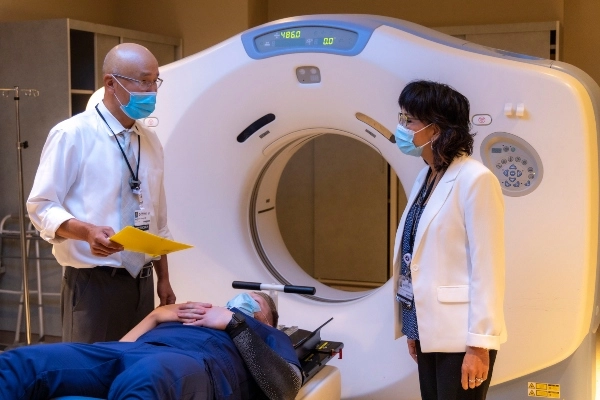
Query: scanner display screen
x=306, y=38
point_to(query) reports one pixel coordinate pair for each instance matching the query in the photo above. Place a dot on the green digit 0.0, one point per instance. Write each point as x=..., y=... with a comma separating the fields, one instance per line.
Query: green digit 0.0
x=290, y=34
x=327, y=41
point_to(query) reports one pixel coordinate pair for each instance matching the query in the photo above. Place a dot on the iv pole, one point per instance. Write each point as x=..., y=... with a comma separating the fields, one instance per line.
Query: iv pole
x=20, y=146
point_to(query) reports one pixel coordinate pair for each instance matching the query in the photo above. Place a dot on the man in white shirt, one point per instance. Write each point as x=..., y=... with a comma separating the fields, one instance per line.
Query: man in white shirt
x=100, y=171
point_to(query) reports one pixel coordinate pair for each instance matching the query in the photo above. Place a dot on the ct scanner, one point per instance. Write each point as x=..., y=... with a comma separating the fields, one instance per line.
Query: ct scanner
x=231, y=117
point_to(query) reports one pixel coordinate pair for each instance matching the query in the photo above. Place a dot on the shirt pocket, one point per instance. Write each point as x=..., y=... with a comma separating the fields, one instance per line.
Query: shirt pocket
x=453, y=294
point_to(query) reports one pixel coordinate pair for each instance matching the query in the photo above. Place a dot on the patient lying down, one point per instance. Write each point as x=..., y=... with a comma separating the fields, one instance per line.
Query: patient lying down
x=179, y=351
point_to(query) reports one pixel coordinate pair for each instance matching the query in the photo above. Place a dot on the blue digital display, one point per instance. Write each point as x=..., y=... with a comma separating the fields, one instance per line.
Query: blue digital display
x=307, y=38
x=496, y=150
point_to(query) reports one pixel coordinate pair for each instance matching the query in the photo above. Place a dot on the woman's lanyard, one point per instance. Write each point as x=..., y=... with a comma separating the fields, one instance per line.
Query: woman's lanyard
x=405, y=290
x=134, y=182
x=405, y=294
x=423, y=196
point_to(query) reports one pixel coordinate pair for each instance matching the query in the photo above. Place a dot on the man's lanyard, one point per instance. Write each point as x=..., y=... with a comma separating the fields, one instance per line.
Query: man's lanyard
x=134, y=182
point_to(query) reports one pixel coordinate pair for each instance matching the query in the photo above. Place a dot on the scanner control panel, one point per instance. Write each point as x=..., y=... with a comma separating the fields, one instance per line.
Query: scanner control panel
x=515, y=163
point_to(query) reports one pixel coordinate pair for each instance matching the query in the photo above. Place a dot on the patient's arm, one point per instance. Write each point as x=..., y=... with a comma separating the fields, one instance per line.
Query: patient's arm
x=167, y=313
x=276, y=377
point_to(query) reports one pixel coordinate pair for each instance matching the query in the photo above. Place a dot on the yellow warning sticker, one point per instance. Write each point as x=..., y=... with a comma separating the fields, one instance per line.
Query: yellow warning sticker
x=541, y=389
x=322, y=345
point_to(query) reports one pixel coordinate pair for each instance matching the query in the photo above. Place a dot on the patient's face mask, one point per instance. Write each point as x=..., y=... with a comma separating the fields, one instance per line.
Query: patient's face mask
x=140, y=105
x=244, y=303
x=405, y=141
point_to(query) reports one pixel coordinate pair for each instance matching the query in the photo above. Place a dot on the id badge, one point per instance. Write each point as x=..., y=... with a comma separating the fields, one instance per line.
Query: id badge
x=405, y=292
x=141, y=220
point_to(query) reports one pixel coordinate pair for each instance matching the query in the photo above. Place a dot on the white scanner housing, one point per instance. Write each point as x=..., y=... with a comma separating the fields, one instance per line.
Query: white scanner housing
x=222, y=192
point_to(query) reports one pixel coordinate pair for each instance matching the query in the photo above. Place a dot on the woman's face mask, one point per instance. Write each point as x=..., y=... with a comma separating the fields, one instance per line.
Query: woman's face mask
x=404, y=141
x=140, y=105
x=245, y=303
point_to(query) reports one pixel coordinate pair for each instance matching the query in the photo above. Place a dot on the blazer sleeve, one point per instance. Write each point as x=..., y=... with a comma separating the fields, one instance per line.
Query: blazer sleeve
x=484, y=223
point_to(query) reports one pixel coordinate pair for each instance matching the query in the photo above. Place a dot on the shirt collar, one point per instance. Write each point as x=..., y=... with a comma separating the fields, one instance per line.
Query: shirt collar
x=113, y=123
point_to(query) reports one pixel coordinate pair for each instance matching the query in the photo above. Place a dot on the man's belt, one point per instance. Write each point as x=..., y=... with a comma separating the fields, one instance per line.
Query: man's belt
x=145, y=272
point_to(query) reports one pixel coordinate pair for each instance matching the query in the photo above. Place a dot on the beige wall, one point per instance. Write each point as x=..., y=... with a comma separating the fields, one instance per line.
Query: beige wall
x=101, y=12
x=258, y=12
x=579, y=18
x=429, y=12
x=203, y=23
x=581, y=36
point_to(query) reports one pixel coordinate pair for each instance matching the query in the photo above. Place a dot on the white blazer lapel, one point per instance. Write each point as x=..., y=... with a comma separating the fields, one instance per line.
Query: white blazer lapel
x=437, y=199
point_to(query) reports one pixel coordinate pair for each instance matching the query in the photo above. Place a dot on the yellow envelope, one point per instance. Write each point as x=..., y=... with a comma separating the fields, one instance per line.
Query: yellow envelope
x=133, y=239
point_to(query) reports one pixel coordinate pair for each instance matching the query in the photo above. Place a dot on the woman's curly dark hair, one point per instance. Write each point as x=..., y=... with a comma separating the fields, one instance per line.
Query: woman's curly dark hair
x=437, y=103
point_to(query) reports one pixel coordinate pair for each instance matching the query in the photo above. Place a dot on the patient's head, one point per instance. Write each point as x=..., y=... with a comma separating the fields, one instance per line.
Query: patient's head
x=258, y=305
x=268, y=310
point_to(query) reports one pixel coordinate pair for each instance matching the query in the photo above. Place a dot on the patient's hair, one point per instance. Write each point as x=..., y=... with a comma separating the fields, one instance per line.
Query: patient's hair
x=272, y=306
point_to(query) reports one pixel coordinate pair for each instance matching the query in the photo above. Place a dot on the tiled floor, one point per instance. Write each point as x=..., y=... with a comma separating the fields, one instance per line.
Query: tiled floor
x=7, y=338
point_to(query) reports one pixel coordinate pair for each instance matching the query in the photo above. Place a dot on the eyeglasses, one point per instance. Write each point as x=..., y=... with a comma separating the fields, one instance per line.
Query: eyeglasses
x=404, y=119
x=144, y=85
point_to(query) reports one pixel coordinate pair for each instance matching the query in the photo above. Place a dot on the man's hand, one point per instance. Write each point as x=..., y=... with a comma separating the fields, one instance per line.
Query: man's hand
x=475, y=367
x=165, y=292
x=96, y=236
x=100, y=244
x=163, y=284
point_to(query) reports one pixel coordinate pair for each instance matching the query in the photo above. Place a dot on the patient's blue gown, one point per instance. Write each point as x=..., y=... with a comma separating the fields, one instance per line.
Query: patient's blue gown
x=172, y=361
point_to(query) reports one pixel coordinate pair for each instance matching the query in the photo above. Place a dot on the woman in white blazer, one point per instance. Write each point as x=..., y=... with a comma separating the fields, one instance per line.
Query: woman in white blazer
x=449, y=251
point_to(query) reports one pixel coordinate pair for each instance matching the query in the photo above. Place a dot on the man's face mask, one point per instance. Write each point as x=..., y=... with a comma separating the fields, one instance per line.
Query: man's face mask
x=140, y=105
x=244, y=303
